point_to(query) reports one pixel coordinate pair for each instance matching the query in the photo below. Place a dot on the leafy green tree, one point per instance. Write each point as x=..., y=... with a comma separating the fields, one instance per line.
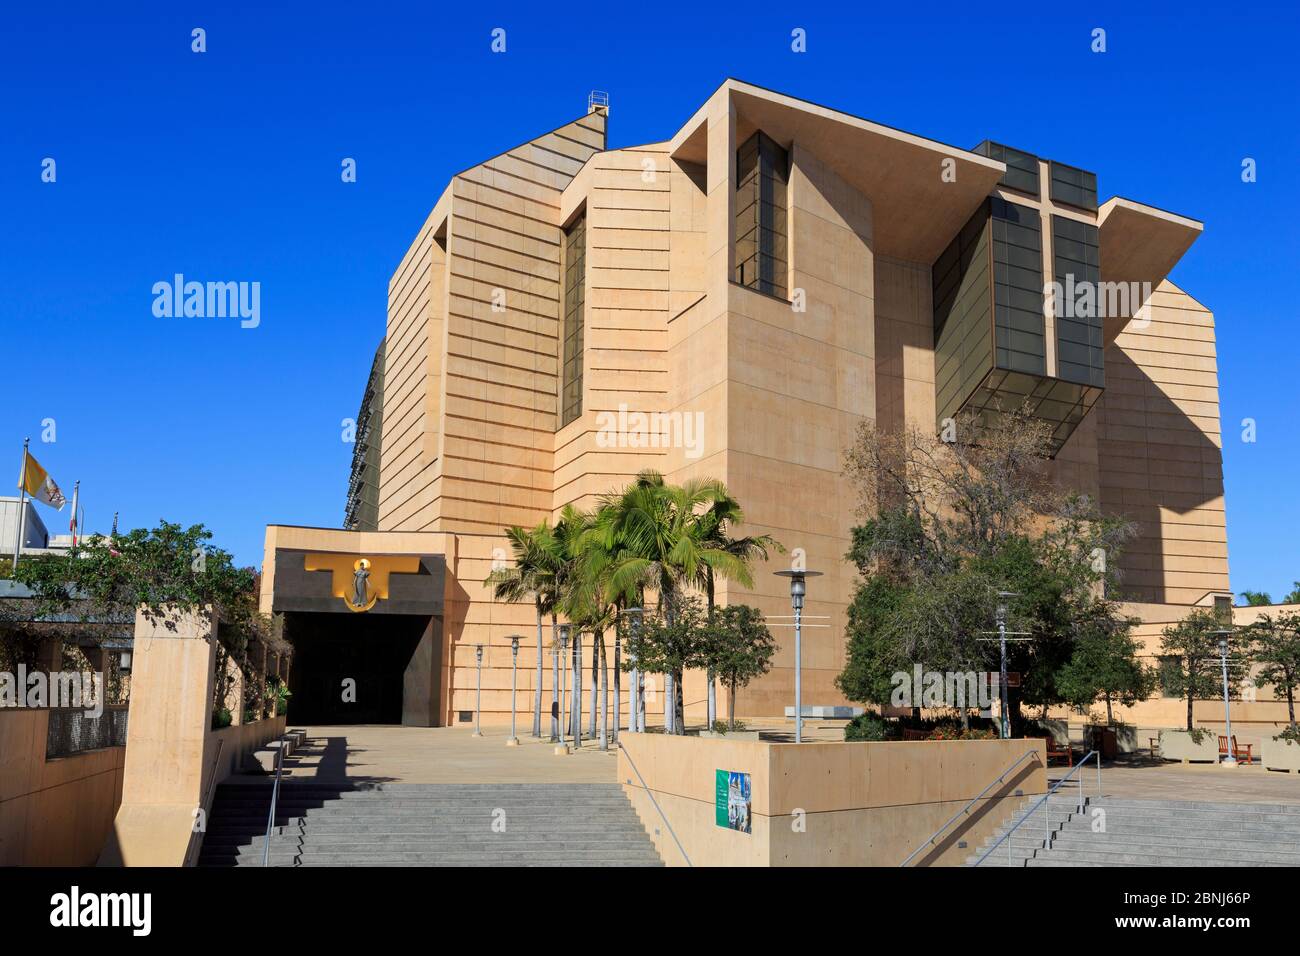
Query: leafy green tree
x=948, y=525
x=874, y=652
x=156, y=570
x=1191, y=659
x=725, y=557
x=661, y=540
x=1277, y=650
x=1105, y=665
x=151, y=569
x=671, y=643
x=737, y=647
x=1293, y=596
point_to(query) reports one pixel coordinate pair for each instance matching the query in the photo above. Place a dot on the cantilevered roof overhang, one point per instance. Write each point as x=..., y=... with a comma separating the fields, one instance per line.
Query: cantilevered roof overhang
x=916, y=208
x=1140, y=244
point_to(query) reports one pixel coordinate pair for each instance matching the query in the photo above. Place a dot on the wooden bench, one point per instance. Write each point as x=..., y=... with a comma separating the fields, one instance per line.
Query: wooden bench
x=1054, y=751
x=1237, y=752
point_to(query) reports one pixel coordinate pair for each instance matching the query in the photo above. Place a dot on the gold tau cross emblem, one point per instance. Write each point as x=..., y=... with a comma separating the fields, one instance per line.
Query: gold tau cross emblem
x=362, y=582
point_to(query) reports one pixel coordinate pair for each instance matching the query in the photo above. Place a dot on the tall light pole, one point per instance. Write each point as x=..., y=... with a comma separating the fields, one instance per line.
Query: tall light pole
x=618, y=681
x=555, y=685
x=1231, y=759
x=513, y=740
x=798, y=588
x=575, y=696
x=1004, y=717
x=564, y=646
x=635, y=717
x=478, y=704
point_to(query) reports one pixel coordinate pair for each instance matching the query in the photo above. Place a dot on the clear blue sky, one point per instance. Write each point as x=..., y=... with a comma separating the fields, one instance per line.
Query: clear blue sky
x=225, y=166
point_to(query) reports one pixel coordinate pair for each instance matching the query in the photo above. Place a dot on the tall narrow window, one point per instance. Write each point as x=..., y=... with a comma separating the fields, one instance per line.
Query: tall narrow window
x=1080, y=346
x=762, y=171
x=575, y=248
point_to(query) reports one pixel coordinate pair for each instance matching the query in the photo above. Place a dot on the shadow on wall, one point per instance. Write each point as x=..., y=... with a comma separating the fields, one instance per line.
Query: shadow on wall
x=1158, y=461
x=455, y=610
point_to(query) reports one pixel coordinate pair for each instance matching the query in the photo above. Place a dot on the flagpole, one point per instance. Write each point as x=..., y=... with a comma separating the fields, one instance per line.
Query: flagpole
x=76, y=488
x=22, y=505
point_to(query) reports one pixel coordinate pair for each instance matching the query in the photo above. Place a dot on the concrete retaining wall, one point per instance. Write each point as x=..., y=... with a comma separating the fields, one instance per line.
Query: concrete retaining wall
x=57, y=812
x=826, y=804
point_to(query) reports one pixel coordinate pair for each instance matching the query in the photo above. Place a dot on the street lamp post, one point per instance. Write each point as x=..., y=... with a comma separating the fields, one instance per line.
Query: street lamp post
x=513, y=740
x=618, y=684
x=1004, y=721
x=1231, y=759
x=564, y=645
x=555, y=686
x=635, y=717
x=575, y=695
x=798, y=588
x=478, y=703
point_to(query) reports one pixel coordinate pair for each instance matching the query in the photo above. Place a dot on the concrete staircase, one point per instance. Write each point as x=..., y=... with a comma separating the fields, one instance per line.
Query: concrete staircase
x=427, y=825
x=1148, y=833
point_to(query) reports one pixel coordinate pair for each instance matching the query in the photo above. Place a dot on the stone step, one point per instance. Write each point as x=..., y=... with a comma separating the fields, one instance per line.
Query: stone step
x=477, y=800
x=416, y=824
x=1199, y=819
x=1290, y=809
x=320, y=786
x=555, y=824
x=255, y=824
x=475, y=844
x=1158, y=858
x=1179, y=846
x=316, y=838
x=359, y=856
x=1042, y=861
x=1249, y=833
x=559, y=862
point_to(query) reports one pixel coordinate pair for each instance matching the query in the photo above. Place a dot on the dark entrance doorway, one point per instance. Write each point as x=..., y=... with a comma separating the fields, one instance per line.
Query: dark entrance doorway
x=376, y=651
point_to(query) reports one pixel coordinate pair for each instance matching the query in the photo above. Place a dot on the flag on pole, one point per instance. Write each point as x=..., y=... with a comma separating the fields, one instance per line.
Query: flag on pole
x=37, y=483
x=72, y=519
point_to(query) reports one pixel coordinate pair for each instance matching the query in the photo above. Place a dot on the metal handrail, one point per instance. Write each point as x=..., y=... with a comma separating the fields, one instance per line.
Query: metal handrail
x=1042, y=801
x=207, y=801
x=631, y=763
x=275, y=795
x=966, y=809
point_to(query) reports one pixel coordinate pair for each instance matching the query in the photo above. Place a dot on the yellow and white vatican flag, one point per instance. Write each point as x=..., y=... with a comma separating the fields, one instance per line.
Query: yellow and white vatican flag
x=37, y=483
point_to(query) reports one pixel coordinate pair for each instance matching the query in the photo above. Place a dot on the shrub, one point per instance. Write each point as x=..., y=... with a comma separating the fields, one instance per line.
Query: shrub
x=948, y=732
x=1291, y=734
x=870, y=726
x=221, y=718
x=722, y=726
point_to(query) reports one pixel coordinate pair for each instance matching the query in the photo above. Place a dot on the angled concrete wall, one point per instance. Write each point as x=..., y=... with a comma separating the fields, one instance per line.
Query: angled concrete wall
x=835, y=804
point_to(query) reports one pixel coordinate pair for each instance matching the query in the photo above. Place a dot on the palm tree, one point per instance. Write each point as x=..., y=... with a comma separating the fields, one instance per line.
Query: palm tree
x=726, y=557
x=635, y=532
x=661, y=539
x=527, y=578
x=564, y=549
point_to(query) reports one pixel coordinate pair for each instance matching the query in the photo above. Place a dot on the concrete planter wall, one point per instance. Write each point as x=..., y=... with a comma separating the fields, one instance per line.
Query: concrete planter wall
x=866, y=803
x=1126, y=737
x=1280, y=754
x=1178, y=745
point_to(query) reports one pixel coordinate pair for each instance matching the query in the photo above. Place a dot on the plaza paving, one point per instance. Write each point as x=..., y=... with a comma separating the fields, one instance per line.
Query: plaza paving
x=1145, y=779
x=367, y=753
x=388, y=754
